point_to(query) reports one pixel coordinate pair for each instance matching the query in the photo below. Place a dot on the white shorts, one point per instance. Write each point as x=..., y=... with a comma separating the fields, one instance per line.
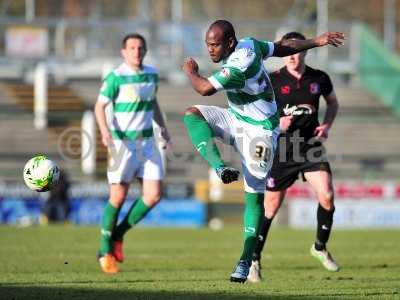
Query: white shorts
x=134, y=159
x=255, y=144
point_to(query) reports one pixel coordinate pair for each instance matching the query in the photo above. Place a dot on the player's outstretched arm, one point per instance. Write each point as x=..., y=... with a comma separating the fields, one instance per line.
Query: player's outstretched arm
x=200, y=84
x=292, y=46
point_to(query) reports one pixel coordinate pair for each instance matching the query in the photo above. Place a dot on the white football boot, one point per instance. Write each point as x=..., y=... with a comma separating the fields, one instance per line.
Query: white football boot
x=325, y=259
x=255, y=272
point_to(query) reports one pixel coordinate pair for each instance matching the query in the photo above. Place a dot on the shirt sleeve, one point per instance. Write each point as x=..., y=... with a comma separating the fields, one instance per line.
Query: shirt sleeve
x=109, y=89
x=266, y=47
x=228, y=78
x=326, y=84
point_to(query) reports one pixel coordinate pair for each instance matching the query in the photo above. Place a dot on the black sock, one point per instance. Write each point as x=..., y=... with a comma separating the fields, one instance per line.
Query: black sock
x=261, y=238
x=325, y=220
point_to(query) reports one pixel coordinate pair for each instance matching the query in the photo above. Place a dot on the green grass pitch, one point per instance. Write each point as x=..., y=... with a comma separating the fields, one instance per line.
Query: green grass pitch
x=58, y=262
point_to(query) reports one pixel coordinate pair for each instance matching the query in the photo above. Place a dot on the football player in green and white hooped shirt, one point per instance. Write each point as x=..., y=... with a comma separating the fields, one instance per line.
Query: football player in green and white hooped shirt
x=131, y=90
x=250, y=124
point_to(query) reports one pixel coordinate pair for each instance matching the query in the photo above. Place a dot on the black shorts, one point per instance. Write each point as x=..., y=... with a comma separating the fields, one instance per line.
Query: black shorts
x=284, y=174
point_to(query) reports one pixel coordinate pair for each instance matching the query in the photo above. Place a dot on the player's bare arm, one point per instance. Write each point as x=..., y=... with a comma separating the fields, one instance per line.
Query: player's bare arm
x=99, y=111
x=159, y=119
x=199, y=83
x=332, y=106
x=292, y=46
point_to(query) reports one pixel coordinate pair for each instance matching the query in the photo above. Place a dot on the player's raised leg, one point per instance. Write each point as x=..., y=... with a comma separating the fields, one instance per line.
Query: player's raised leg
x=202, y=137
x=321, y=182
x=110, y=217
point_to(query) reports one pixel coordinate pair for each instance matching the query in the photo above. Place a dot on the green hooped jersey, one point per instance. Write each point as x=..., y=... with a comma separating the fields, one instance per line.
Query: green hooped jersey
x=132, y=95
x=250, y=95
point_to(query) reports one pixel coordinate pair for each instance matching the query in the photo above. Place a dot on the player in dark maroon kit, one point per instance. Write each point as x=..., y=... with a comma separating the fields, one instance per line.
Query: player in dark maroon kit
x=298, y=88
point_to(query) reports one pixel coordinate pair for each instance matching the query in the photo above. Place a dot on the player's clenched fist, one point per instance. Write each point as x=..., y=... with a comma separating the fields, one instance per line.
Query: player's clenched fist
x=190, y=66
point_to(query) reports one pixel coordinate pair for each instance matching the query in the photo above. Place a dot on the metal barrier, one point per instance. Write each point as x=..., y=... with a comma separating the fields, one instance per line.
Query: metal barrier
x=79, y=47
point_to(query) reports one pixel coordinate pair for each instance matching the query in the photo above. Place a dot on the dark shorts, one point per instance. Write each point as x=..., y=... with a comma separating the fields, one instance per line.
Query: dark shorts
x=283, y=175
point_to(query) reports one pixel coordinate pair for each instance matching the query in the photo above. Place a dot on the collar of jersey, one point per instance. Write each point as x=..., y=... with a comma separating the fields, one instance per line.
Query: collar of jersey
x=287, y=73
x=132, y=70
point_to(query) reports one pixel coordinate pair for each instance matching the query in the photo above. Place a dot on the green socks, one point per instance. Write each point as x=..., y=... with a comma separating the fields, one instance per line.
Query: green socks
x=110, y=217
x=253, y=212
x=201, y=136
x=136, y=213
x=111, y=232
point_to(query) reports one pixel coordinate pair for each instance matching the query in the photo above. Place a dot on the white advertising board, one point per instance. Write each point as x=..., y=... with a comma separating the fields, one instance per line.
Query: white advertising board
x=26, y=42
x=348, y=213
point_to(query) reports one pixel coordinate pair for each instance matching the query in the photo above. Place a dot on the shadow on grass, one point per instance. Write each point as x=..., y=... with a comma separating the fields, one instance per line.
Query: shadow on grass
x=8, y=292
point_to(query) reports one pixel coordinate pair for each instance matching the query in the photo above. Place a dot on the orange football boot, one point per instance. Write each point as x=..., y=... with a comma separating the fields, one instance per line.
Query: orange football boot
x=108, y=264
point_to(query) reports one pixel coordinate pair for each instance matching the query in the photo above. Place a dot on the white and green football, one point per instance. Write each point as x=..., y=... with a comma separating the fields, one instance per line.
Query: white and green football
x=40, y=173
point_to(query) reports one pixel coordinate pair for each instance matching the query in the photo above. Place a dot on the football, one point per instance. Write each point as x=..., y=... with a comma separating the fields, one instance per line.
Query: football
x=41, y=173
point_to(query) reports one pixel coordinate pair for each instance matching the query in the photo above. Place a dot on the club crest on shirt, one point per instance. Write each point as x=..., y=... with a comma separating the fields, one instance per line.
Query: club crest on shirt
x=314, y=88
x=270, y=182
x=285, y=90
x=128, y=93
x=224, y=72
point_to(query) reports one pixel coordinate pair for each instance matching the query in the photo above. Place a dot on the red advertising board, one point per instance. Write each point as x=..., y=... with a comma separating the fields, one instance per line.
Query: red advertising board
x=351, y=190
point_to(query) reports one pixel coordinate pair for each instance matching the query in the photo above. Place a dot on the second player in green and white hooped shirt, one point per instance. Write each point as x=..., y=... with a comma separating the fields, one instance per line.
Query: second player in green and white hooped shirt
x=250, y=95
x=133, y=95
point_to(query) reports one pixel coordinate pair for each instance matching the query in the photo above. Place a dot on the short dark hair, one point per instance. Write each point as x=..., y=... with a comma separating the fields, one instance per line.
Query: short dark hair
x=134, y=36
x=227, y=28
x=293, y=35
